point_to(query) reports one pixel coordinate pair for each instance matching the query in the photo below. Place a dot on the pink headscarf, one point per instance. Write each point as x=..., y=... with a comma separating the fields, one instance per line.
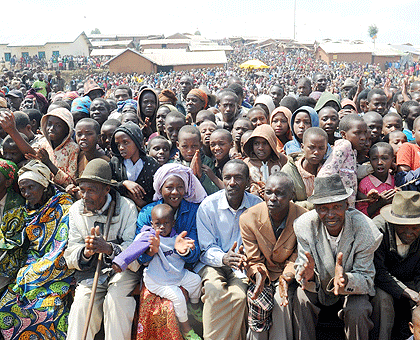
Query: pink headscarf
x=194, y=191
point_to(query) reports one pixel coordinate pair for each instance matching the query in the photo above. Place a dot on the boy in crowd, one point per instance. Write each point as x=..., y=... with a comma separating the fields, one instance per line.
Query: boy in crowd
x=173, y=123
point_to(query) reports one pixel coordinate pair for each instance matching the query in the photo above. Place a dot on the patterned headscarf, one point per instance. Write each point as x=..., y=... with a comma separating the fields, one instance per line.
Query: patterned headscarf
x=8, y=169
x=194, y=191
x=81, y=104
x=122, y=103
x=200, y=94
x=72, y=95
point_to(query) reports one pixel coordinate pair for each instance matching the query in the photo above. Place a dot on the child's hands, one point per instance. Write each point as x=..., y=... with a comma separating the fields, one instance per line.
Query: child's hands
x=7, y=122
x=147, y=123
x=134, y=188
x=182, y=244
x=188, y=119
x=116, y=268
x=387, y=195
x=41, y=155
x=196, y=165
x=373, y=195
x=208, y=171
x=73, y=190
x=154, y=244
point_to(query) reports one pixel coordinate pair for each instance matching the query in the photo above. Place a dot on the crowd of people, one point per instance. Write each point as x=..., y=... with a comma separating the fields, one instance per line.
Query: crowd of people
x=235, y=204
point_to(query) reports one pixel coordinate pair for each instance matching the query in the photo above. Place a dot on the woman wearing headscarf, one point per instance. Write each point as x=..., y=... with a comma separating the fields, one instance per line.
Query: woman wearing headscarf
x=177, y=186
x=11, y=240
x=35, y=303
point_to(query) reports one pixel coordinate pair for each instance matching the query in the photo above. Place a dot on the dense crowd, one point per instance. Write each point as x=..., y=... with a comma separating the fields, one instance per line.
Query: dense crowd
x=280, y=203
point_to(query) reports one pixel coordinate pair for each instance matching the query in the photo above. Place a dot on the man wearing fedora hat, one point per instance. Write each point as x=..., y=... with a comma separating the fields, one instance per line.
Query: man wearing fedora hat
x=336, y=246
x=87, y=218
x=397, y=262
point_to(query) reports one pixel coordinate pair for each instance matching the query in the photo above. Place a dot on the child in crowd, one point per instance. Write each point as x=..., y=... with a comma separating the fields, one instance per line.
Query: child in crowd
x=279, y=121
x=130, y=117
x=408, y=157
x=396, y=139
x=374, y=122
x=34, y=119
x=158, y=148
x=204, y=115
x=245, y=136
x=391, y=121
x=11, y=151
x=189, y=145
x=23, y=125
x=165, y=273
x=263, y=159
x=363, y=154
x=342, y=159
x=257, y=116
x=302, y=119
x=161, y=114
x=131, y=167
x=99, y=110
x=379, y=186
x=80, y=108
x=173, y=123
x=206, y=128
x=265, y=102
x=107, y=130
x=240, y=126
x=410, y=110
x=220, y=144
x=328, y=121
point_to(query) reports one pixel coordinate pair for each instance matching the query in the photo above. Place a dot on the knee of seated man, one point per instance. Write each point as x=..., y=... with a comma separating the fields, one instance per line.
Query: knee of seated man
x=359, y=308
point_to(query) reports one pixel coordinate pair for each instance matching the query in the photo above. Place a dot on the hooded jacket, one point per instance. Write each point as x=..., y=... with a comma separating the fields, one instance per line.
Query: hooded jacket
x=119, y=173
x=288, y=114
x=295, y=144
x=267, y=101
x=141, y=114
x=324, y=99
x=65, y=155
x=259, y=170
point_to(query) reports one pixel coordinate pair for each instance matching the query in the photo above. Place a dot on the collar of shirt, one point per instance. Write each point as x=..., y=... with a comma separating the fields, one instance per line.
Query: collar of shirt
x=133, y=170
x=224, y=204
x=402, y=248
x=376, y=182
x=105, y=206
x=333, y=240
x=302, y=171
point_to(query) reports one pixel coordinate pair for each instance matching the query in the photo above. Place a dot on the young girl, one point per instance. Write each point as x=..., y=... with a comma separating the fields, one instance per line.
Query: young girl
x=263, y=159
x=279, y=121
x=379, y=186
x=342, y=159
x=131, y=167
x=301, y=120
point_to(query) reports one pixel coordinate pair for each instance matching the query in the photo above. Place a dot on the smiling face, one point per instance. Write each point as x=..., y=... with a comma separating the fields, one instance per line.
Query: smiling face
x=86, y=136
x=332, y=215
x=126, y=146
x=220, y=146
x=261, y=148
x=378, y=103
x=159, y=150
x=407, y=233
x=173, y=190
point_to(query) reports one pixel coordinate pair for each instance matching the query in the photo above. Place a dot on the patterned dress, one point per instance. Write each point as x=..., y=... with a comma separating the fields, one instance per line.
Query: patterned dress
x=35, y=306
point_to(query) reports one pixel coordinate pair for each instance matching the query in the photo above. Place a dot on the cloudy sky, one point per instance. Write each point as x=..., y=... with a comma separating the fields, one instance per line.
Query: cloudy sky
x=32, y=21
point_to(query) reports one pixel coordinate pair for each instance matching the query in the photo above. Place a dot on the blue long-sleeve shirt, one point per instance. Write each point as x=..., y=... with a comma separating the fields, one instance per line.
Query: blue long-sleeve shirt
x=185, y=221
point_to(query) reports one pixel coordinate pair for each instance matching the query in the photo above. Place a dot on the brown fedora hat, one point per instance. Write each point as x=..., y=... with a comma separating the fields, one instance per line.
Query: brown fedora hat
x=404, y=209
x=329, y=190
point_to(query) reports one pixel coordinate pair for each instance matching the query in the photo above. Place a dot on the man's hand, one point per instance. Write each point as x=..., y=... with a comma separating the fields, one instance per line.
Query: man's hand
x=182, y=244
x=412, y=295
x=154, y=244
x=259, y=283
x=307, y=273
x=340, y=277
x=232, y=259
x=95, y=243
x=283, y=287
x=7, y=122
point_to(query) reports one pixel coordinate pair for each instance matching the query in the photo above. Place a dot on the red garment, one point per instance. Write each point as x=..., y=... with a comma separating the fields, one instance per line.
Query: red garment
x=409, y=154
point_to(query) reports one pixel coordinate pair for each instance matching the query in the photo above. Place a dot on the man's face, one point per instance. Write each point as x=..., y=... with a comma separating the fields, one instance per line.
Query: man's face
x=194, y=104
x=277, y=195
x=407, y=233
x=15, y=102
x=93, y=195
x=228, y=107
x=98, y=111
x=186, y=85
x=148, y=104
x=320, y=83
x=235, y=181
x=303, y=88
x=121, y=95
x=332, y=215
x=277, y=94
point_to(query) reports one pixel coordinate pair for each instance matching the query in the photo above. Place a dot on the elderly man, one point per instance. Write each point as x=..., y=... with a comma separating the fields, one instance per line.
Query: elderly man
x=336, y=246
x=224, y=284
x=186, y=84
x=397, y=262
x=271, y=249
x=87, y=218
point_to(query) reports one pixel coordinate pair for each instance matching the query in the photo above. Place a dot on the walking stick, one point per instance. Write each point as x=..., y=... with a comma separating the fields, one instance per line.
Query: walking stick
x=98, y=270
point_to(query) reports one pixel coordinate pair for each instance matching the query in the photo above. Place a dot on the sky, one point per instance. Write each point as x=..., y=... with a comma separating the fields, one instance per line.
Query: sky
x=33, y=21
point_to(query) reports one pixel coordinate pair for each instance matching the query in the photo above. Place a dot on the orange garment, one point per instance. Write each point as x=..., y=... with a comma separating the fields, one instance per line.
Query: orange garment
x=409, y=154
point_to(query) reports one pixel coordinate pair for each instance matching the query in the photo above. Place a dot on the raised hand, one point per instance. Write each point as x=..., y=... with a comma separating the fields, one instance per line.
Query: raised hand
x=340, y=277
x=182, y=244
x=196, y=165
x=307, y=272
x=232, y=259
x=154, y=244
x=7, y=121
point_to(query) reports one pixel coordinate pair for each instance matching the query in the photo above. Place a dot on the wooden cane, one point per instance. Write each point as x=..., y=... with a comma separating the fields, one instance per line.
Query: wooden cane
x=98, y=270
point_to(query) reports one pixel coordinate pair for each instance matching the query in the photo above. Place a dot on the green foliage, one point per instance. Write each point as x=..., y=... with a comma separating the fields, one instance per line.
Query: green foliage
x=95, y=31
x=373, y=31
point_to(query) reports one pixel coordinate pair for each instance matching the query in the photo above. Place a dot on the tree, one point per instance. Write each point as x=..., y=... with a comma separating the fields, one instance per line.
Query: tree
x=373, y=32
x=95, y=31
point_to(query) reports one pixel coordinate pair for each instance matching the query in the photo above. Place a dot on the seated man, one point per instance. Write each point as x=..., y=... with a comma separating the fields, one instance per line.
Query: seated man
x=271, y=249
x=224, y=285
x=87, y=219
x=397, y=261
x=335, y=261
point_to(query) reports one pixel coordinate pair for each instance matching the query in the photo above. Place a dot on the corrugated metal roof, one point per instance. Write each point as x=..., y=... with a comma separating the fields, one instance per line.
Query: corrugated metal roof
x=210, y=48
x=124, y=43
x=164, y=41
x=343, y=47
x=106, y=52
